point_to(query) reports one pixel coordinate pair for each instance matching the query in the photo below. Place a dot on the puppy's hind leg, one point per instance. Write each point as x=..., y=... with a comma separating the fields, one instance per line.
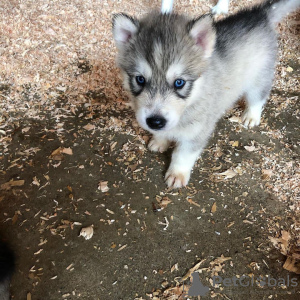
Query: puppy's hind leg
x=256, y=97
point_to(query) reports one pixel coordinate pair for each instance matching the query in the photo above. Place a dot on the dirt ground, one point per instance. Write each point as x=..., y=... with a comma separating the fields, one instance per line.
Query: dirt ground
x=72, y=156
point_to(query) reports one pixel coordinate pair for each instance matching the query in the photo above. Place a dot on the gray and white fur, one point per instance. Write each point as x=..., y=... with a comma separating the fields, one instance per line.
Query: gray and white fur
x=183, y=74
x=7, y=262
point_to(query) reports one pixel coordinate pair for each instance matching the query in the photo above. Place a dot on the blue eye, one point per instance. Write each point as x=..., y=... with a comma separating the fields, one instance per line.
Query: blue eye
x=179, y=84
x=140, y=80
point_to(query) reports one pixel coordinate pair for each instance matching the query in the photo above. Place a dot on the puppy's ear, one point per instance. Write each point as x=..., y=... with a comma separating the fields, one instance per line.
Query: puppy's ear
x=203, y=33
x=124, y=29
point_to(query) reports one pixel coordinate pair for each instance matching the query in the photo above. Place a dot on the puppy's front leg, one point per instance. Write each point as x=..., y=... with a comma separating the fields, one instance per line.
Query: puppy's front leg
x=183, y=160
x=158, y=144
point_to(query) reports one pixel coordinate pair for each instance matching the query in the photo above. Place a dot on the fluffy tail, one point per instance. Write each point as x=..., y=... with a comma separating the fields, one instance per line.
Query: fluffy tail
x=278, y=9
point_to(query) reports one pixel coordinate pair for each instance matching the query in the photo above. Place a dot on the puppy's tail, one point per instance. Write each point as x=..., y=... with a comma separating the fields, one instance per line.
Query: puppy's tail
x=278, y=9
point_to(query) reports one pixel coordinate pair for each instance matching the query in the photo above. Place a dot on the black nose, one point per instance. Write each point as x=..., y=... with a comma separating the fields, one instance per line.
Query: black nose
x=156, y=122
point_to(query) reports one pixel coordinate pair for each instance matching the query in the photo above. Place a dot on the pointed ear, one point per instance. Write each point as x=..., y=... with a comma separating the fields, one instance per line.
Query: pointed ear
x=204, y=34
x=124, y=28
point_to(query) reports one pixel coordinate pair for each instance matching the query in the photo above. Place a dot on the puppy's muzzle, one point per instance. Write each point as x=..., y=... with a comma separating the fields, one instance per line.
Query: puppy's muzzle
x=156, y=122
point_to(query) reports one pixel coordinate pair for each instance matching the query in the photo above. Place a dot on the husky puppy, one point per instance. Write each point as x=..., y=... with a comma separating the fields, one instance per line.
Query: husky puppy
x=6, y=269
x=183, y=74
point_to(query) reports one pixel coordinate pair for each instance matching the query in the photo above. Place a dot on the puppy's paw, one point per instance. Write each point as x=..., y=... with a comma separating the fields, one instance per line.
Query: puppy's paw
x=251, y=117
x=177, y=179
x=156, y=145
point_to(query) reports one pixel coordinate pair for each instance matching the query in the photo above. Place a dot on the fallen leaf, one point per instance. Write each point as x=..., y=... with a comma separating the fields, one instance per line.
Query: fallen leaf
x=178, y=292
x=163, y=202
x=266, y=174
x=230, y=173
x=192, y=202
x=15, y=218
x=35, y=181
x=12, y=183
x=292, y=265
x=234, y=143
x=250, y=148
x=214, y=208
x=282, y=243
x=67, y=151
x=26, y=129
x=57, y=154
x=193, y=269
x=235, y=119
x=102, y=186
x=220, y=260
x=89, y=127
x=174, y=268
x=87, y=232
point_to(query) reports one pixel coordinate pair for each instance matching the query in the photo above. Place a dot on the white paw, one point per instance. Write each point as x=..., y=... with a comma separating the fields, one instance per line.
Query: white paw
x=177, y=179
x=251, y=117
x=220, y=8
x=156, y=145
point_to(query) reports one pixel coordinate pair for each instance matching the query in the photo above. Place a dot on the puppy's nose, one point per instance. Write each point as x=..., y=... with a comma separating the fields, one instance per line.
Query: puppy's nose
x=156, y=122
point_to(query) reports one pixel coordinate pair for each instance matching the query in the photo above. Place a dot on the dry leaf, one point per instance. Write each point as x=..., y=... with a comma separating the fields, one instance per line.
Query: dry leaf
x=193, y=269
x=163, y=202
x=15, y=218
x=266, y=174
x=214, y=208
x=234, y=143
x=174, y=268
x=67, y=151
x=35, y=181
x=235, y=119
x=250, y=148
x=102, y=186
x=292, y=265
x=89, y=127
x=192, y=202
x=87, y=232
x=12, y=183
x=178, y=292
x=57, y=154
x=282, y=243
x=230, y=173
x=220, y=260
x=26, y=129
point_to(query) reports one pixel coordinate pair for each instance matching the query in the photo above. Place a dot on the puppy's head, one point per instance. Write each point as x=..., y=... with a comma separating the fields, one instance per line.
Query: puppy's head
x=161, y=58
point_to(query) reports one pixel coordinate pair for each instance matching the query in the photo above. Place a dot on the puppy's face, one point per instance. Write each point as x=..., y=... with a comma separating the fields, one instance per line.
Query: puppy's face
x=161, y=58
